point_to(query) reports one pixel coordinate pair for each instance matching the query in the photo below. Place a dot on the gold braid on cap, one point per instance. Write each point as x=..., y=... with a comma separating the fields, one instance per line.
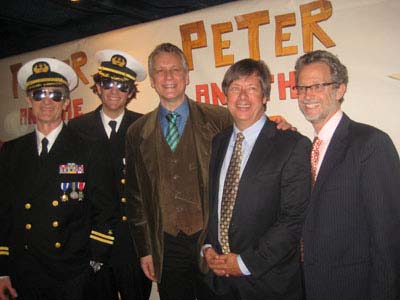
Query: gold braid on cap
x=102, y=71
x=43, y=80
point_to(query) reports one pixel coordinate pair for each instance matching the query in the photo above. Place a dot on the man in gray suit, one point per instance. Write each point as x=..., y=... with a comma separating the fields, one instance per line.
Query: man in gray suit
x=351, y=240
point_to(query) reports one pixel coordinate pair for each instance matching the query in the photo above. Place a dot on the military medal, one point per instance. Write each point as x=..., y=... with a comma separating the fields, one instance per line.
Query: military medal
x=74, y=194
x=81, y=186
x=65, y=187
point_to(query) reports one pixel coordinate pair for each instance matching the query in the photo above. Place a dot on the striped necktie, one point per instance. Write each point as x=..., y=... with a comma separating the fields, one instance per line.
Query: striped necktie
x=172, y=133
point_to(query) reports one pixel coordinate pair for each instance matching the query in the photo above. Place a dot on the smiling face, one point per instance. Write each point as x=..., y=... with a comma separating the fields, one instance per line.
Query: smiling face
x=47, y=111
x=246, y=101
x=169, y=78
x=318, y=107
x=113, y=100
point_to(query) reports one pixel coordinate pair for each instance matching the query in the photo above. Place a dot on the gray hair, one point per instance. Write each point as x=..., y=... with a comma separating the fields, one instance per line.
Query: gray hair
x=167, y=48
x=337, y=69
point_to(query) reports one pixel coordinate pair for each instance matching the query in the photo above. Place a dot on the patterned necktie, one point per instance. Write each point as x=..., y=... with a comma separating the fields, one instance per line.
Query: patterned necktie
x=113, y=125
x=172, y=133
x=230, y=191
x=44, y=151
x=314, y=159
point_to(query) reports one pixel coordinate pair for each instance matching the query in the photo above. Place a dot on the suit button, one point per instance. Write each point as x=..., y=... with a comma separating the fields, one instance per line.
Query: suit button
x=55, y=224
x=28, y=226
x=124, y=218
x=57, y=245
x=28, y=206
x=123, y=180
x=123, y=200
x=55, y=203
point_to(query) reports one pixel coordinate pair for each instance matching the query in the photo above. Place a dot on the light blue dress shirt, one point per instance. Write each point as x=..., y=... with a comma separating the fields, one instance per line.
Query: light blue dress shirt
x=250, y=137
x=183, y=114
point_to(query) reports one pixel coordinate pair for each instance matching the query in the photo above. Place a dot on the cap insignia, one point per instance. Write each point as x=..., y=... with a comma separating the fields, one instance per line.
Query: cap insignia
x=40, y=67
x=118, y=60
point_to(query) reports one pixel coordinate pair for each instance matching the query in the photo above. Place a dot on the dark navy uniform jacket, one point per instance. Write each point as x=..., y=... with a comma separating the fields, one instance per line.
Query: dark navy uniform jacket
x=90, y=125
x=36, y=227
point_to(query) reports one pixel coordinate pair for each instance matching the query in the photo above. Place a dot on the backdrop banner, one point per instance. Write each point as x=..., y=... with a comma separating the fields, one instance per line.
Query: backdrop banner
x=364, y=34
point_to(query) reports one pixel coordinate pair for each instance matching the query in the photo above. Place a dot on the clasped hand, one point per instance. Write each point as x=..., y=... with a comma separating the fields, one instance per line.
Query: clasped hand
x=222, y=264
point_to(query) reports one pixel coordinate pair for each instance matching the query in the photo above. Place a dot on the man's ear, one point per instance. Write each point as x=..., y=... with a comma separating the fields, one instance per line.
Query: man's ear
x=66, y=104
x=98, y=89
x=151, y=81
x=187, y=78
x=28, y=100
x=341, y=91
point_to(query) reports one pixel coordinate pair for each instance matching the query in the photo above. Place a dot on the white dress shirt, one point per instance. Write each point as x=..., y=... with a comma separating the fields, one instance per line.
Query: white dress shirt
x=105, y=119
x=51, y=137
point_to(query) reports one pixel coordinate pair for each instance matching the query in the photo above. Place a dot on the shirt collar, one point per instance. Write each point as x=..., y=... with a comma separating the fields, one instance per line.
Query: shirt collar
x=105, y=119
x=251, y=133
x=51, y=137
x=182, y=110
x=329, y=128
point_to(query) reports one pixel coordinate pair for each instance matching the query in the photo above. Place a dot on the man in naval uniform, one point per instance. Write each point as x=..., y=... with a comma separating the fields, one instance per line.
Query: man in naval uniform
x=57, y=210
x=115, y=84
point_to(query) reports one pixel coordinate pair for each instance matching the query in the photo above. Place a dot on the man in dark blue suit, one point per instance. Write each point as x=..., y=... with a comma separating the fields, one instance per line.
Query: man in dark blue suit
x=57, y=211
x=256, y=212
x=351, y=239
x=115, y=84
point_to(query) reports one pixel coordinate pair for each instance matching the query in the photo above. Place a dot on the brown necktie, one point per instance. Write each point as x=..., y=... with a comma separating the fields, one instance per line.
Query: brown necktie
x=230, y=191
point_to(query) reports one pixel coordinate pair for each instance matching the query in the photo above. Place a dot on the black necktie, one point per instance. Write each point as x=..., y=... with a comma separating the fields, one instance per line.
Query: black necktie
x=113, y=125
x=44, y=152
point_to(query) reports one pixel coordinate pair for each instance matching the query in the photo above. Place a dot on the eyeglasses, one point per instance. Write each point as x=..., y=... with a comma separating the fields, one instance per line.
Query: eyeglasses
x=55, y=95
x=315, y=88
x=108, y=83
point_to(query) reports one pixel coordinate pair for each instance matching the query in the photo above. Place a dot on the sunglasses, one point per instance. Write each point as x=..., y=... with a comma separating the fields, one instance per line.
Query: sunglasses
x=108, y=83
x=55, y=95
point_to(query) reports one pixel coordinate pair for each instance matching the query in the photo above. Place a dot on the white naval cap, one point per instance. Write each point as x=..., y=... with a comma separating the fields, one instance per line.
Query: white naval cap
x=119, y=65
x=41, y=72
